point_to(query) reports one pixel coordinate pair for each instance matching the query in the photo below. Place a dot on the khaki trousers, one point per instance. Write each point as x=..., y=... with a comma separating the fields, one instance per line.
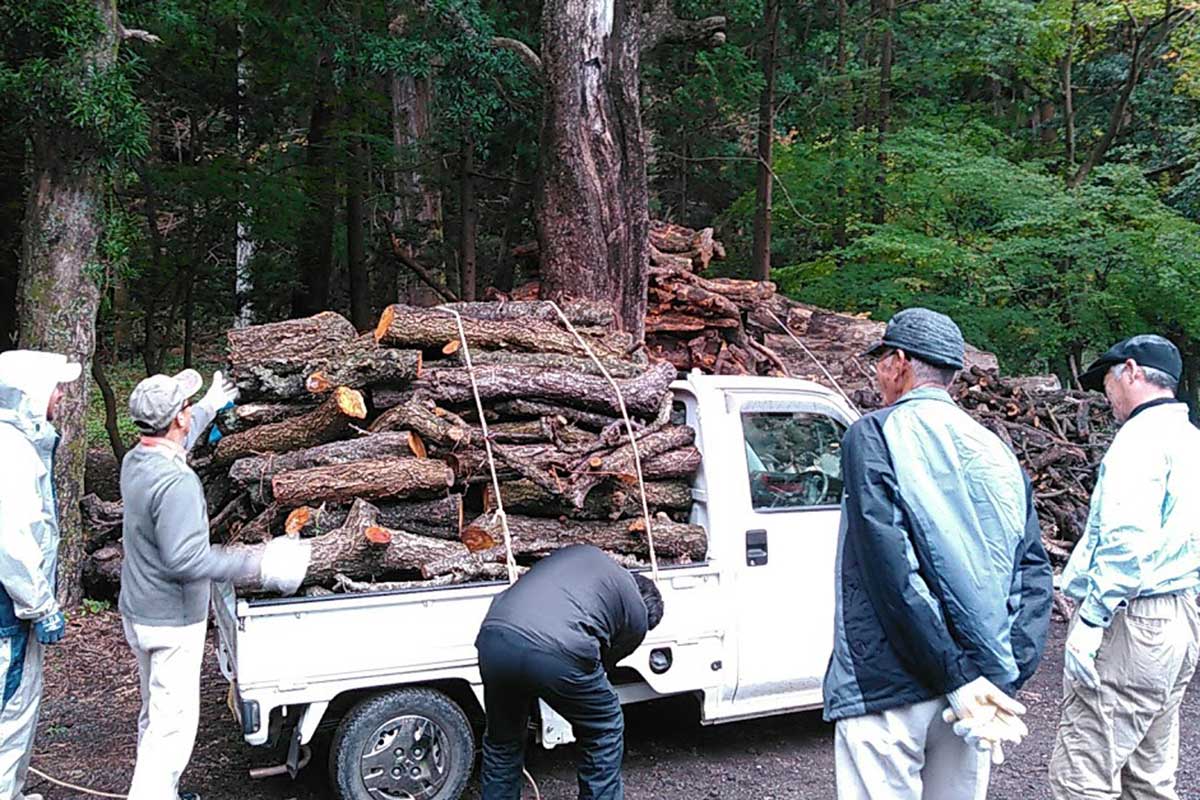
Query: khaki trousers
x=907, y=753
x=1122, y=741
x=169, y=662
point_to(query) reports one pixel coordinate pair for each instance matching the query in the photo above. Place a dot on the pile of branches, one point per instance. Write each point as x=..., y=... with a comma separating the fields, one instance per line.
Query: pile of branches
x=1059, y=436
x=373, y=446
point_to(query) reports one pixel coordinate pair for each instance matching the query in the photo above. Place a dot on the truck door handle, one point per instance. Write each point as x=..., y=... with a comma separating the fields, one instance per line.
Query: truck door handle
x=756, y=548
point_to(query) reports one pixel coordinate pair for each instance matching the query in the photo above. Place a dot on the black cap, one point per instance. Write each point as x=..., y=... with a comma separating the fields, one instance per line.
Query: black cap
x=928, y=335
x=1148, y=350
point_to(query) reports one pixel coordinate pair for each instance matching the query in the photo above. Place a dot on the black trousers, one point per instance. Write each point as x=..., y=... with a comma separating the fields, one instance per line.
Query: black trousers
x=516, y=673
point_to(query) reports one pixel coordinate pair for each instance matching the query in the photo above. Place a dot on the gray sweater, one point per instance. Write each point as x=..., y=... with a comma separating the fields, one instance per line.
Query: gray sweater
x=168, y=560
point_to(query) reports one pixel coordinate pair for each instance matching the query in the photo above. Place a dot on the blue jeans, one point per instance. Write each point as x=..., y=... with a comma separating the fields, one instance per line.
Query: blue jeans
x=517, y=672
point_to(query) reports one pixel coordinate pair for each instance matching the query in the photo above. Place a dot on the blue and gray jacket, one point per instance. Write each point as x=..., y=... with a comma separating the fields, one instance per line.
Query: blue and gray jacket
x=941, y=573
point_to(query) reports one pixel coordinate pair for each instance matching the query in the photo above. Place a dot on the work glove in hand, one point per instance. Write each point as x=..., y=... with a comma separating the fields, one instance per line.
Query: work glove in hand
x=985, y=716
x=1079, y=662
x=51, y=628
x=221, y=393
x=284, y=564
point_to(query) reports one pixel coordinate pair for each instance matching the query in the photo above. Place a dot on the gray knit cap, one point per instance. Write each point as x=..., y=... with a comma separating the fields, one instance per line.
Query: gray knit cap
x=924, y=334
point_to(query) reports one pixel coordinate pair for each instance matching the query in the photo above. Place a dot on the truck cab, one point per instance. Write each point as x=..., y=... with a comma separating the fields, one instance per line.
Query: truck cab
x=748, y=631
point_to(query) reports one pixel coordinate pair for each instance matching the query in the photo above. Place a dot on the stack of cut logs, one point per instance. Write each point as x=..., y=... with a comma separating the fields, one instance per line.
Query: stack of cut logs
x=373, y=446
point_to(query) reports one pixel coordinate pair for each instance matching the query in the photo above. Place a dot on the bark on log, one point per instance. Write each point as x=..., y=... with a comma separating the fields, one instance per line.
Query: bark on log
x=486, y=572
x=362, y=549
x=273, y=360
x=643, y=395
x=102, y=520
x=102, y=572
x=619, y=464
x=243, y=417
x=682, y=463
x=404, y=326
x=526, y=497
x=364, y=366
x=256, y=472
x=539, y=536
x=440, y=519
x=327, y=422
x=551, y=361
x=596, y=313
x=420, y=414
x=534, y=408
x=260, y=529
x=371, y=478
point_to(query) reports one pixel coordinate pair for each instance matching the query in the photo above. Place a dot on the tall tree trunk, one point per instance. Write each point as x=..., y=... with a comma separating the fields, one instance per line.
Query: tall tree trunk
x=12, y=193
x=58, y=294
x=846, y=87
x=761, y=260
x=1067, y=89
x=886, y=57
x=592, y=203
x=316, y=235
x=417, y=219
x=243, y=287
x=469, y=229
x=360, y=281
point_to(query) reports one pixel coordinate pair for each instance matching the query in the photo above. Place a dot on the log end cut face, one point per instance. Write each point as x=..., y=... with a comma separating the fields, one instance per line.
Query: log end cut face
x=351, y=402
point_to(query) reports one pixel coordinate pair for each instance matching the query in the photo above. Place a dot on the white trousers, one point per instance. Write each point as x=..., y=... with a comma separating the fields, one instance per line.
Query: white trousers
x=907, y=753
x=19, y=717
x=169, y=660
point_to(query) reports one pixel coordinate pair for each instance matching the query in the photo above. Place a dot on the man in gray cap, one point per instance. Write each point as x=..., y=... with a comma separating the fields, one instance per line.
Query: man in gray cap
x=167, y=570
x=943, y=588
x=1135, y=639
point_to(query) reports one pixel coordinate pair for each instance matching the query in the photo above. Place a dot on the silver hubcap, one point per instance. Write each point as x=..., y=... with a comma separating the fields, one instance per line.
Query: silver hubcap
x=405, y=760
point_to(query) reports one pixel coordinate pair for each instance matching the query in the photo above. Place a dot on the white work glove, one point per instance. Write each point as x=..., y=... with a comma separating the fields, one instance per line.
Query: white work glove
x=985, y=717
x=1079, y=662
x=284, y=564
x=221, y=393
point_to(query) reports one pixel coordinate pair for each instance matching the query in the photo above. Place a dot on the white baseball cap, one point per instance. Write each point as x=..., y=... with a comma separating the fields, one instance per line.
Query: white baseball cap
x=157, y=399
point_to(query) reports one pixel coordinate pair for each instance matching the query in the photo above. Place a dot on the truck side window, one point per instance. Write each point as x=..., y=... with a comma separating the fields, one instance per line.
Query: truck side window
x=793, y=459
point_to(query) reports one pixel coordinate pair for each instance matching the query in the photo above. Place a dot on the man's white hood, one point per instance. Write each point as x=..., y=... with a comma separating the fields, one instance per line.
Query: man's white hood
x=35, y=374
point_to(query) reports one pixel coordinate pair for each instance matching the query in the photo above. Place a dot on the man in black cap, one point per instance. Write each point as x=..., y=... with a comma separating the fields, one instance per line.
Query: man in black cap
x=1135, y=639
x=943, y=588
x=552, y=635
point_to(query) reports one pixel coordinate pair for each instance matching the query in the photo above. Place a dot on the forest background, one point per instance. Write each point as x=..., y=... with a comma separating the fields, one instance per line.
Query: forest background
x=170, y=168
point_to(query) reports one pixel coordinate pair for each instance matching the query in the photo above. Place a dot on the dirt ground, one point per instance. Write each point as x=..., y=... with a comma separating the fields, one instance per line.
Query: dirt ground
x=89, y=722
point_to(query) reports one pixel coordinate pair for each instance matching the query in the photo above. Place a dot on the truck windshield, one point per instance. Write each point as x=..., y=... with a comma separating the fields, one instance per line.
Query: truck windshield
x=793, y=459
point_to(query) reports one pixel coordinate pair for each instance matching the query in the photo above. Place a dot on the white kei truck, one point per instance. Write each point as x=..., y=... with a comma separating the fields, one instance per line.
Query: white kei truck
x=748, y=631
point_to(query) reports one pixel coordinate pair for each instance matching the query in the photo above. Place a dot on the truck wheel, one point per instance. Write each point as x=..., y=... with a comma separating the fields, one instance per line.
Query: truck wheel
x=406, y=744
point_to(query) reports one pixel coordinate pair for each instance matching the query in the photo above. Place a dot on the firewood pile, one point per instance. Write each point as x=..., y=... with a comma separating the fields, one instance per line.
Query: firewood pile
x=372, y=445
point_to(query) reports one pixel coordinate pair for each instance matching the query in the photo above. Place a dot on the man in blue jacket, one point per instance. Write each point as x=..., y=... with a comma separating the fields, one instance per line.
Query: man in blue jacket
x=1133, y=645
x=943, y=587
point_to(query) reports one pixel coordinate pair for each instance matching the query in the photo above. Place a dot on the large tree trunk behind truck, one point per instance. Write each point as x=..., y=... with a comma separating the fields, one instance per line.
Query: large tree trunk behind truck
x=591, y=204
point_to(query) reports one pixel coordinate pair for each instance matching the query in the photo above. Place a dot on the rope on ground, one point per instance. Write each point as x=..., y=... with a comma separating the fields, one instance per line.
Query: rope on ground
x=813, y=356
x=500, y=515
x=637, y=458
x=73, y=787
x=536, y=794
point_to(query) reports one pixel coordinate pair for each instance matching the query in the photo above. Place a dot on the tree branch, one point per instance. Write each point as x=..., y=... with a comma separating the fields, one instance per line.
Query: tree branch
x=421, y=271
x=524, y=52
x=140, y=35
x=660, y=25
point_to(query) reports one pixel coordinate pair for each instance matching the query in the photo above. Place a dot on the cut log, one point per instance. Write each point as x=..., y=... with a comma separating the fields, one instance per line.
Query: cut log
x=682, y=463
x=256, y=472
x=372, y=478
x=404, y=326
x=420, y=414
x=619, y=464
x=486, y=572
x=526, y=497
x=682, y=322
x=273, y=360
x=552, y=361
x=363, y=549
x=540, y=536
x=241, y=417
x=327, y=422
x=518, y=407
x=102, y=572
x=441, y=518
x=643, y=395
x=102, y=520
x=579, y=312
x=365, y=365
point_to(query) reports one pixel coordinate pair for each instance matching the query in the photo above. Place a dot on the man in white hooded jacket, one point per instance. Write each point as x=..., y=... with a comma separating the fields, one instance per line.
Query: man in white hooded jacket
x=30, y=389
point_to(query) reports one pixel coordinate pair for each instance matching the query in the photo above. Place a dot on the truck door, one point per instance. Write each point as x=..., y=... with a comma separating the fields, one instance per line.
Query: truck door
x=789, y=493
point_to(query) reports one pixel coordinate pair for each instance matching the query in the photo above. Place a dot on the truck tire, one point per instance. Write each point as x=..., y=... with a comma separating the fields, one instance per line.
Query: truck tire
x=407, y=744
